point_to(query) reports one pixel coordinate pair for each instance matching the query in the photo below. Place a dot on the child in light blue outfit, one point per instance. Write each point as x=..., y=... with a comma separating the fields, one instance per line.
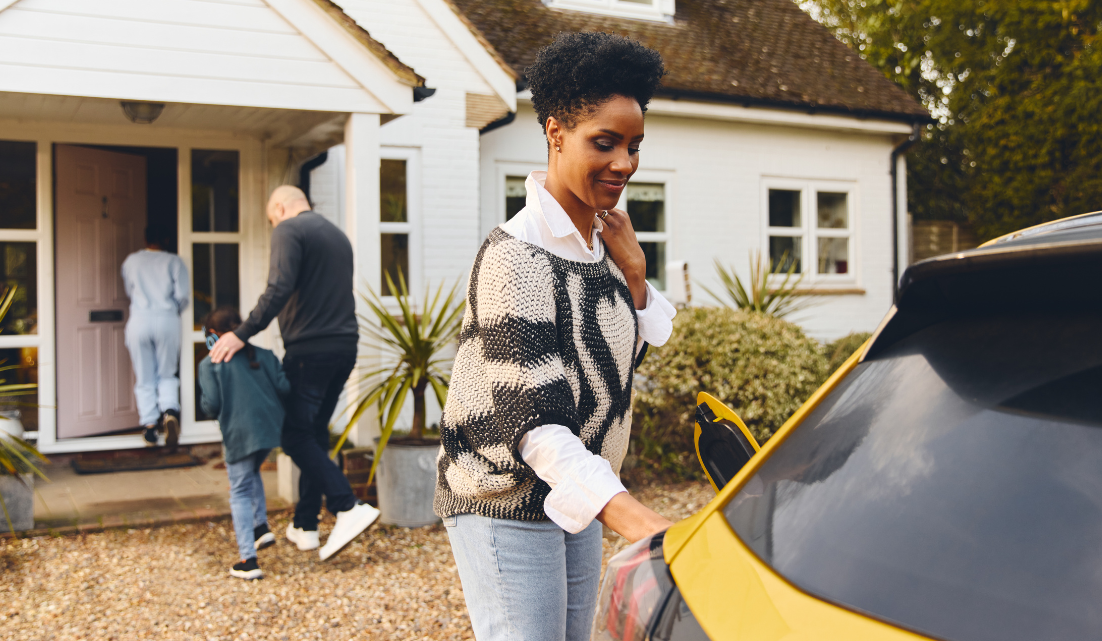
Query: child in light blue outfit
x=157, y=284
x=244, y=393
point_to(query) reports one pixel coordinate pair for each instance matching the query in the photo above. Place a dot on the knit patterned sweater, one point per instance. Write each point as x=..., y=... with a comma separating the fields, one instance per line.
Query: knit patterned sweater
x=544, y=340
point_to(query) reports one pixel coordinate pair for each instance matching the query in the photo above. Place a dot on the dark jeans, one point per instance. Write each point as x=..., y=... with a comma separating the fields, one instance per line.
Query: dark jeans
x=316, y=383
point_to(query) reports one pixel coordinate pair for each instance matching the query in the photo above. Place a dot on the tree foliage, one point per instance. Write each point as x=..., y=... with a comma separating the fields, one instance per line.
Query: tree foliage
x=1014, y=87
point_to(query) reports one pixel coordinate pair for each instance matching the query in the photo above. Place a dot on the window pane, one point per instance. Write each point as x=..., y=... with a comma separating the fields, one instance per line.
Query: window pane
x=216, y=278
x=656, y=264
x=22, y=408
x=20, y=270
x=200, y=353
x=395, y=253
x=17, y=185
x=833, y=210
x=214, y=190
x=392, y=191
x=784, y=251
x=647, y=206
x=833, y=255
x=784, y=208
x=515, y=196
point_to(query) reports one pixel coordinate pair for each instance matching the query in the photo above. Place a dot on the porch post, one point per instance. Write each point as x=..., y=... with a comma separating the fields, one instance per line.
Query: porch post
x=361, y=215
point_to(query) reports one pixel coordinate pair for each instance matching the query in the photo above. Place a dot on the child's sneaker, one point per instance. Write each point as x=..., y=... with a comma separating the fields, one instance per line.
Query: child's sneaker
x=247, y=569
x=171, y=420
x=149, y=434
x=263, y=536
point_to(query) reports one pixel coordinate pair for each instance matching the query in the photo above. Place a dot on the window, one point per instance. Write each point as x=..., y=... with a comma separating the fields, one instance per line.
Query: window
x=19, y=269
x=394, y=225
x=17, y=185
x=216, y=281
x=516, y=195
x=214, y=190
x=640, y=9
x=646, y=206
x=810, y=227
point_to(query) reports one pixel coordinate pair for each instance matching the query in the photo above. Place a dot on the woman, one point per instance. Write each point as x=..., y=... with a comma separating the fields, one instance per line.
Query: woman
x=538, y=413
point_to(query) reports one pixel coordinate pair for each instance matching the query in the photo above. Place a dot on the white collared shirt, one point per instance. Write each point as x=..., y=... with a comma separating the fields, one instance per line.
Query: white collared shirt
x=582, y=483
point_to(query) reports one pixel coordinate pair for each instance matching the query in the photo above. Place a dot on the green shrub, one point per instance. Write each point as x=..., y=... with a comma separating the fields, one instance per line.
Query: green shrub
x=764, y=368
x=841, y=349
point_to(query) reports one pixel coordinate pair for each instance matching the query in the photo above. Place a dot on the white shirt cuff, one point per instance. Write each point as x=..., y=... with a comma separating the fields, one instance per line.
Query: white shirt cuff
x=582, y=483
x=656, y=319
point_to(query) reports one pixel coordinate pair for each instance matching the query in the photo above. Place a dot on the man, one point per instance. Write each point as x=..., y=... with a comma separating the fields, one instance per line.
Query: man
x=310, y=288
x=157, y=284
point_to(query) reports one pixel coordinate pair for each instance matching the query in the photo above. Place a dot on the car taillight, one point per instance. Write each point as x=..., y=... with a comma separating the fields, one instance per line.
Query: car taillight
x=636, y=585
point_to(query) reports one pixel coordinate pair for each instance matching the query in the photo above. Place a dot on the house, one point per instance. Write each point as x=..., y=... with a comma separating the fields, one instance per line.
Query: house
x=408, y=122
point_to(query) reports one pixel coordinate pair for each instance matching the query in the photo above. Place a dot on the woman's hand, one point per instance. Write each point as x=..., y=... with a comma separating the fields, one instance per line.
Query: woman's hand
x=623, y=247
x=630, y=518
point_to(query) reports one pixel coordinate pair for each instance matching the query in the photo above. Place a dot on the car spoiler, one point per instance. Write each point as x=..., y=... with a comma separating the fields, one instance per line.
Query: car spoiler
x=1019, y=275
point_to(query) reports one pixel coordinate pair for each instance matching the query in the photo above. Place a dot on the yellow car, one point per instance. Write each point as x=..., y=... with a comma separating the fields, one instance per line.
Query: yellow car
x=945, y=483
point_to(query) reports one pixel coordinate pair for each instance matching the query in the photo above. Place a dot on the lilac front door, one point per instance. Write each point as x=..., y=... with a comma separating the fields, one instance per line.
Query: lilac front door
x=101, y=216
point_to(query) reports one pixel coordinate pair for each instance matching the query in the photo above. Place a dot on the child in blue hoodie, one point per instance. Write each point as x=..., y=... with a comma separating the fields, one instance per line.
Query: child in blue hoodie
x=244, y=393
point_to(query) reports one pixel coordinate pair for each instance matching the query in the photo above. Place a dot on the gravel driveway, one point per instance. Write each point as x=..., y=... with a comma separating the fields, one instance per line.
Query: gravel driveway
x=172, y=582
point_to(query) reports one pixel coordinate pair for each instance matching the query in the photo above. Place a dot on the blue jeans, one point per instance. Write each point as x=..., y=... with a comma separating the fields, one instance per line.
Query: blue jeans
x=316, y=384
x=526, y=581
x=247, y=505
x=153, y=340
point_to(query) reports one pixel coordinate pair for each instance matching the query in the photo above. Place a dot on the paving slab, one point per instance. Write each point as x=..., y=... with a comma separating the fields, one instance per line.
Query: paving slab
x=142, y=497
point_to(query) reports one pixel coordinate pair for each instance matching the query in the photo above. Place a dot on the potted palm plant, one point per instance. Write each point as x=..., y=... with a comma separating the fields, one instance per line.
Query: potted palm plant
x=407, y=353
x=18, y=458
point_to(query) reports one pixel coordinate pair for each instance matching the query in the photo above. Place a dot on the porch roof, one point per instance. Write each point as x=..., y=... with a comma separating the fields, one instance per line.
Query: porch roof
x=276, y=54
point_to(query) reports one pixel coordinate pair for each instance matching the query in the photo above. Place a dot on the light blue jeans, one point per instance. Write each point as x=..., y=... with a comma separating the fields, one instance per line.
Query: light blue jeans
x=526, y=581
x=153, y=339
x=247, y=504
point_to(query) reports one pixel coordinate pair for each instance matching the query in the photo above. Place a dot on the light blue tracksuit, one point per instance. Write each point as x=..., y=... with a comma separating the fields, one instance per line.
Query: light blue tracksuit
x=157, y=284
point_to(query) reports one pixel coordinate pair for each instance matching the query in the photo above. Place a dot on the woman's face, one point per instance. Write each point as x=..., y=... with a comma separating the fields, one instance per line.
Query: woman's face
x=595, y=159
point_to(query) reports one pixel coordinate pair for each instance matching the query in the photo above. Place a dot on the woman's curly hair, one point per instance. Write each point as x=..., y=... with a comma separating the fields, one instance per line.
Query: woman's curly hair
x=579, y=72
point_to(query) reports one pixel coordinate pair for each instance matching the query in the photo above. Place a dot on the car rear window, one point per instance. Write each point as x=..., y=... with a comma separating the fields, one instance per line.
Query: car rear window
x=952, y=486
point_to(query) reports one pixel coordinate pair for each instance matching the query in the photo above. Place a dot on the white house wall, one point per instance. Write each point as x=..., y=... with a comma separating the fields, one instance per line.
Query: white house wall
x=446, y=224
x=220, y=52
x=715, y=208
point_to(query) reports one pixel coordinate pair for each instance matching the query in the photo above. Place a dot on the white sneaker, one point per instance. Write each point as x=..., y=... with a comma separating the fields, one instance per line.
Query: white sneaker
x=304, y=539
x=348, y=526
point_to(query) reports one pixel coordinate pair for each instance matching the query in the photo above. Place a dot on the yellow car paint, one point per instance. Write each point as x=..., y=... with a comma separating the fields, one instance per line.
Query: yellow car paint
x=736, y=597
x=731, y=592
x=721, y=411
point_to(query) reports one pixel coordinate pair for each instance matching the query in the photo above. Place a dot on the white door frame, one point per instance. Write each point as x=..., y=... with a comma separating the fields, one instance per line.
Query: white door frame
x=251, y=237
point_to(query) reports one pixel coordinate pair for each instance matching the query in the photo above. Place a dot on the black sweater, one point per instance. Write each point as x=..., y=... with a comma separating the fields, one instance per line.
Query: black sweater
x=309, y=287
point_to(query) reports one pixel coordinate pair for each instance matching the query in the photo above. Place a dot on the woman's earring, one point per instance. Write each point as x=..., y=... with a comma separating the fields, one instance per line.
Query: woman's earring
x=558, y=149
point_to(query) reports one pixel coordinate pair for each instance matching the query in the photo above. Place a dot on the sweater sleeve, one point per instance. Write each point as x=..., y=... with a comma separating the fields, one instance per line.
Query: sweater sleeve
x=210, y=395
x=283, y=268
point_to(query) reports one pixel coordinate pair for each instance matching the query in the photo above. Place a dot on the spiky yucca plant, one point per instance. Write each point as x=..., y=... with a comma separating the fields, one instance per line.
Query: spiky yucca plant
x=776, y=299
x=16, y=455
x=410, y=344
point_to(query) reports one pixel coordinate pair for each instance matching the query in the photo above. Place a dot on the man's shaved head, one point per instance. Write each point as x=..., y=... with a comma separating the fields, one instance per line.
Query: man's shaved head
x=287, y=201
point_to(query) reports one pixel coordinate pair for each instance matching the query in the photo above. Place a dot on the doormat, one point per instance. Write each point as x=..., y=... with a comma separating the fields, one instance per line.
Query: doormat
x=100, y=465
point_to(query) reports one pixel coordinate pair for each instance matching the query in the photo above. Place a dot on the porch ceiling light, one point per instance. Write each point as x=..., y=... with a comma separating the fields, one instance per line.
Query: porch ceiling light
x=142, y=113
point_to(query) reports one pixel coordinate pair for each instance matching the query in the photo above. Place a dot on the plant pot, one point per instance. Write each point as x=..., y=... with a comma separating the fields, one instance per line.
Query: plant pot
x=18, y=493
x=406, y=482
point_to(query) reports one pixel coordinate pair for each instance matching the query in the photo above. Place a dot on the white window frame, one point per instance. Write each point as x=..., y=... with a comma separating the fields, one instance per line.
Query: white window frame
x=666, y=179
x=504, y=171
x=809, y=232
x=657, y=10
x=412, y=226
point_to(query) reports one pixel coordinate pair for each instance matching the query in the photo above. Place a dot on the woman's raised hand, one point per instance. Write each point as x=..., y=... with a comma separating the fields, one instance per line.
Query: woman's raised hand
x=623, y=248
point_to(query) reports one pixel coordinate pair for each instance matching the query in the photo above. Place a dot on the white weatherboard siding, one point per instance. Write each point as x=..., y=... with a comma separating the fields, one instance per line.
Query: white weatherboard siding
x=219, y=52
x=715, y=172
x=446, y=224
